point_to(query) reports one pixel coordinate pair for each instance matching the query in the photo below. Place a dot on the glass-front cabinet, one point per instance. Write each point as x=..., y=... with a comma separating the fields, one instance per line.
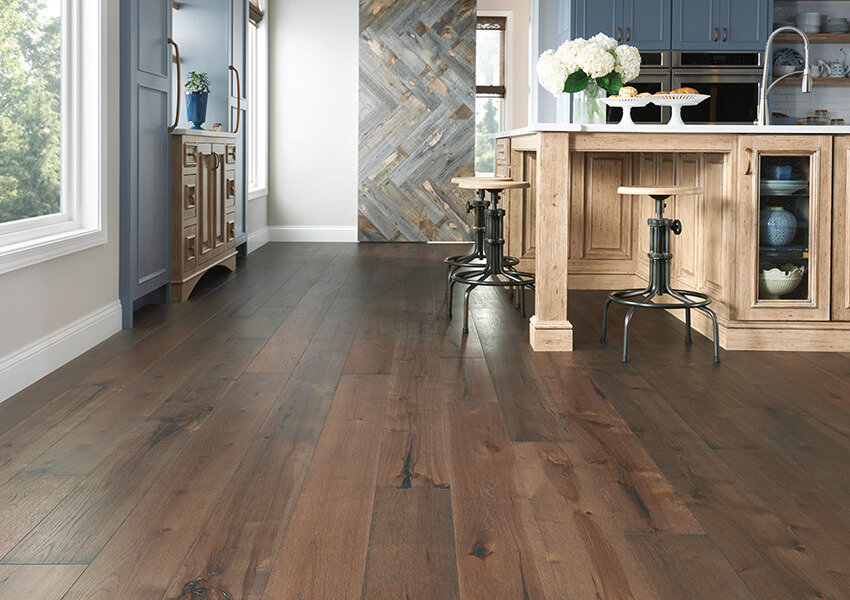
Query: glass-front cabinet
x=787, y=200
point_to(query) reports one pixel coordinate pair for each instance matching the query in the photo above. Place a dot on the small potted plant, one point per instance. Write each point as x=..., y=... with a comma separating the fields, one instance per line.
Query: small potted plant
x=197, y=93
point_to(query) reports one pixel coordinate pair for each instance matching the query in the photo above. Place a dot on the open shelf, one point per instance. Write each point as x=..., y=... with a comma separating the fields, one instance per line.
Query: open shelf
x=818, y=81
x=815, y=37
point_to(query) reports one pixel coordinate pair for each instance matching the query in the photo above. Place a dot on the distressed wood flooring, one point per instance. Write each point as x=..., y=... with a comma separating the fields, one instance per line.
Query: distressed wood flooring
x=311, y=427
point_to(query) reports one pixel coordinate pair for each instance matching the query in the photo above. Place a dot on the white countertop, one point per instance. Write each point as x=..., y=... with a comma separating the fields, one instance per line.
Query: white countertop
x=207, y=132
x=744, y=129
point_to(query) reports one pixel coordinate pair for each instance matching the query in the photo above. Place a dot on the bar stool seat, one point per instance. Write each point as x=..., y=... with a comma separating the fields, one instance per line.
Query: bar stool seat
x=660, y=256
x=476, y=257
x=497, y=269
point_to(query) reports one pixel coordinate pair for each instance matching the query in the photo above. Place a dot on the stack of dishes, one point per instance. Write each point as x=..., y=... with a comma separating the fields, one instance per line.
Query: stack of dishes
x=780, y=187
x=837, y=25
x=810, y=22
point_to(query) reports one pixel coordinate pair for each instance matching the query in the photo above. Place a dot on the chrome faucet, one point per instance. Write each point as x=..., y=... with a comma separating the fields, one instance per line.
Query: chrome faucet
x=764, y=88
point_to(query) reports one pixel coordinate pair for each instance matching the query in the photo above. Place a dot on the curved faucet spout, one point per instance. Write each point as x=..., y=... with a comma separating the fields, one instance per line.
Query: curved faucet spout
x=764, y=89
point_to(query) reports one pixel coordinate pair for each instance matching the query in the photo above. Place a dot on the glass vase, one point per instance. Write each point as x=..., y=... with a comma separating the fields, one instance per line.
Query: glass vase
x=588, y=110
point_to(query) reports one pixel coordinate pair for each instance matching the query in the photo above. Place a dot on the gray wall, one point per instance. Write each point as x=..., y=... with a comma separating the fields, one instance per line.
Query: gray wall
x=417, y=118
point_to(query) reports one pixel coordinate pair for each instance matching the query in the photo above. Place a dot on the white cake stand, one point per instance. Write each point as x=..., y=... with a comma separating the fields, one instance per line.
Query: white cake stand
x=626, y=104
x=676, y=102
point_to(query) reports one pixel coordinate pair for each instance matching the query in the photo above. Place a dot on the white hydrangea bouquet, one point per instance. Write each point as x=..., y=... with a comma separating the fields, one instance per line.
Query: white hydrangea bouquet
x=594, y=67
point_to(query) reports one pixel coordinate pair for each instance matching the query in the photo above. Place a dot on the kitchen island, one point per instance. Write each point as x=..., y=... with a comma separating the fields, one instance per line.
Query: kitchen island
x=768, y=239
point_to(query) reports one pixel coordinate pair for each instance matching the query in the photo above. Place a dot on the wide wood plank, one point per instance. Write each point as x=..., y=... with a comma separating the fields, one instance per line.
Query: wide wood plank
x=581, y=542
x=411, y=547
x=494, y=552
x=235, y=550
x=143, y=555
x=688, y=566
x=323, y=553
x=24, y=502
x=45, y=582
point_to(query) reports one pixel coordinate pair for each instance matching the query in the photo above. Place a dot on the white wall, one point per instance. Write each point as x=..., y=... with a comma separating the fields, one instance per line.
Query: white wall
x=313, y=91
x=517, y=55
x=53, y=311
x=257, y=218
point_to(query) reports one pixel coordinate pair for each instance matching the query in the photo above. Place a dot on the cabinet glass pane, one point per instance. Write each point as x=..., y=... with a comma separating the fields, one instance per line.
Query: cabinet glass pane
x=784, y=233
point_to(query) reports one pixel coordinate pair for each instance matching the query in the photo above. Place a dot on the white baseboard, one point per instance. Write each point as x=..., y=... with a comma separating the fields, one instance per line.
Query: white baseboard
x=31, y=363
x=292, y=233
x=258, y=239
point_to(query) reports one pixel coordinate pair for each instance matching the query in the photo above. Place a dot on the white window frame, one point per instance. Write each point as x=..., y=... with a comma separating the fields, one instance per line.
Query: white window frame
x=509, y=67
x=80, y=222
x=258, y=109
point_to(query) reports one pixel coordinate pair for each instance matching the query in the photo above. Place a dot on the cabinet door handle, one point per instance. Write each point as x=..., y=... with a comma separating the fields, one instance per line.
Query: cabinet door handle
x=619, y=33
x=238, y=98
x=177, y=115
x=628, y=33
x=725, y=34
x=749, y=170
x=716, y=33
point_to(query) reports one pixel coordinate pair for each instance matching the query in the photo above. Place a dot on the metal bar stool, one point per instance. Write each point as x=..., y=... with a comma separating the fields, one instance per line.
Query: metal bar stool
x=477, y=257
x=494, y=272
x=659, y=271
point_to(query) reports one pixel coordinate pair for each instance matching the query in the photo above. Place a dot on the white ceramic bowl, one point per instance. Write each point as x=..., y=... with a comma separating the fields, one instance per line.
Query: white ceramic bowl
x=775, y=283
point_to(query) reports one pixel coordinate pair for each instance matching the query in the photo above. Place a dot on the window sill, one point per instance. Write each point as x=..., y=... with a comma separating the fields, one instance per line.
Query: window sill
x=257, y=193
x=34, y=251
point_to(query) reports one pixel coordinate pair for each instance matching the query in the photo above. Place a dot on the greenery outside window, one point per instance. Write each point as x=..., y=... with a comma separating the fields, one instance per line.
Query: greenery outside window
x=490, y=90
x=50, y=84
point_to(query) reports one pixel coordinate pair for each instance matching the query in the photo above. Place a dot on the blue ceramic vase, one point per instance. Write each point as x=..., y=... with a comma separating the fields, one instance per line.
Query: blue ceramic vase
x=777, y=226
x=196, y=108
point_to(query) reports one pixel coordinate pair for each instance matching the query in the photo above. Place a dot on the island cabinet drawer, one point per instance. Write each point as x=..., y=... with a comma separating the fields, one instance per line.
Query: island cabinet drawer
x=503, y=150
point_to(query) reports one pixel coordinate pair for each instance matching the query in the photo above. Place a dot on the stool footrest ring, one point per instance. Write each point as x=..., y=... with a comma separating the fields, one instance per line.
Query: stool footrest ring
x=622, y=297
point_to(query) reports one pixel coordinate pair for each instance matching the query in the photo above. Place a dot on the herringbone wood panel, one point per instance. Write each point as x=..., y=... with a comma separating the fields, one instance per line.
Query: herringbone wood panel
x=417, y=118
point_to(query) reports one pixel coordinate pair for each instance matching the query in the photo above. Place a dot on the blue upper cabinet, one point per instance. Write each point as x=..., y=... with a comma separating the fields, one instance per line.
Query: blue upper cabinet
x=642, y=23
x=599, y=16
x=647, y=24
x=673, y=24
x=696, y=24
x=746, y=24
x=721, y=24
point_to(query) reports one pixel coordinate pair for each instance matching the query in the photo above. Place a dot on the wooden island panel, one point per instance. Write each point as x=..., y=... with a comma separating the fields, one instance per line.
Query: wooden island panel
x=574, y=179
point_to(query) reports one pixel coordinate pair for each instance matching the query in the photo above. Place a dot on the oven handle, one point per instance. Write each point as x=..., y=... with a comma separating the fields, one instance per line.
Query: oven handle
x=730, y=75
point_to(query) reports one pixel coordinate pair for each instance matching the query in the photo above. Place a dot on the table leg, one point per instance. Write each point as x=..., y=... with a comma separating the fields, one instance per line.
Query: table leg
x=549, y=329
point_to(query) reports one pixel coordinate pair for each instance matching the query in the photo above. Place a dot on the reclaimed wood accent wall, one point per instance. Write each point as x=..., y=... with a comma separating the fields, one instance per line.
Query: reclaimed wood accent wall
x=417, y=118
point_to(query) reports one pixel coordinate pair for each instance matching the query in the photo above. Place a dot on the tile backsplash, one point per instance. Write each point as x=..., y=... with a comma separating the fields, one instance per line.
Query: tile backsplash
x=834, y=98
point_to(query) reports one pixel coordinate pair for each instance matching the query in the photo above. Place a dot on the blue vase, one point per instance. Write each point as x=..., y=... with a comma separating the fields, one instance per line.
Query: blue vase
x=777, y=226
x=196, y=108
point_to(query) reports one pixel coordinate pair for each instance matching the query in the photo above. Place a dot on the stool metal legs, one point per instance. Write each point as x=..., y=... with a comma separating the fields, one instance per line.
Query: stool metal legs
x=659, y=284
x=497, y=271
x=478, y=257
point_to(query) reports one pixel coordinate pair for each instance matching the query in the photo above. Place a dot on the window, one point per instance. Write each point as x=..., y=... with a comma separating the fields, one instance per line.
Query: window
x=50, y=83
x=257, y=103
x=490, y=90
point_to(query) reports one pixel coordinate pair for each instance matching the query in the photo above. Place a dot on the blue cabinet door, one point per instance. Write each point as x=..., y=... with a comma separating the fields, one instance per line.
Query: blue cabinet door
x=238, y=104
x=145, y=205
x=745, y=24
x=647, y=24
x=696, y=25
x=599, y=16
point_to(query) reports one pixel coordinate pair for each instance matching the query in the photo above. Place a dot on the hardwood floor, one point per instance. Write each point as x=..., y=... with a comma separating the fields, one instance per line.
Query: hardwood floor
x=312, y=427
